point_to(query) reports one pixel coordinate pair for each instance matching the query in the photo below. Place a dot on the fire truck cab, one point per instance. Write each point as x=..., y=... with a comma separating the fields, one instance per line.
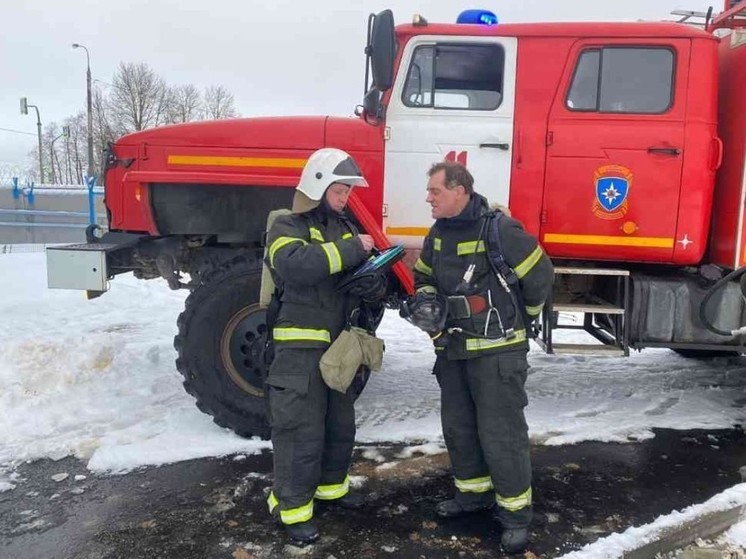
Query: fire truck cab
x=601, y=138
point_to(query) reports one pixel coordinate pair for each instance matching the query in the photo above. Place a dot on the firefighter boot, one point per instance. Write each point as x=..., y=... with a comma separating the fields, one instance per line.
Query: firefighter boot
x=452, y=508
x=302, y=533
x=514, y=540
x=348, y=501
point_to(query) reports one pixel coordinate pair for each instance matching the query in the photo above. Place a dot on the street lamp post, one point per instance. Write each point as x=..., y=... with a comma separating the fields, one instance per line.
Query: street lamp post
x=90, y=114
x=24, y=111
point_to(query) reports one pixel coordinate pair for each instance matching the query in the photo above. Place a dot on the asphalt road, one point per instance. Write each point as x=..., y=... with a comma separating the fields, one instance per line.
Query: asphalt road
x=215, y=508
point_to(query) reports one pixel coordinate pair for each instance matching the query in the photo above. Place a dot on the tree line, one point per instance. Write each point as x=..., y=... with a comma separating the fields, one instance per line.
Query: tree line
x=136, y=99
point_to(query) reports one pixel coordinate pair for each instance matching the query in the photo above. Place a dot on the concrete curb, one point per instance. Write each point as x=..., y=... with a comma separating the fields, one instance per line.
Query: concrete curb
x=704, y=527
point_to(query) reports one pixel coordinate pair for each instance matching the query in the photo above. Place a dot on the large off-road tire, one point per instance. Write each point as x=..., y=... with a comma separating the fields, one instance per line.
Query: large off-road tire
x=221, y=344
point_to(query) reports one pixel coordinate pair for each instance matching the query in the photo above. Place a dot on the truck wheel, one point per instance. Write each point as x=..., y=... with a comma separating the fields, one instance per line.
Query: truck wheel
x=221, y=347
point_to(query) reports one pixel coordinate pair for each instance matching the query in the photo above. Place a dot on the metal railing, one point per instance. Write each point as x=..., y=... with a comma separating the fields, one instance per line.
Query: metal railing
x=41, y=214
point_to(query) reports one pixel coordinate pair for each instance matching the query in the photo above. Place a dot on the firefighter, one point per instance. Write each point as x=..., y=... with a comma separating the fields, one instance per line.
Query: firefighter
x=312, y=427
x=478, y=326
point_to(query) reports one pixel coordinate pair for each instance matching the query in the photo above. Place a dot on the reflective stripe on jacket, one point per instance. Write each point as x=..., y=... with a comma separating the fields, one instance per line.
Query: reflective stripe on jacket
x=452, y=245
x=307, y=252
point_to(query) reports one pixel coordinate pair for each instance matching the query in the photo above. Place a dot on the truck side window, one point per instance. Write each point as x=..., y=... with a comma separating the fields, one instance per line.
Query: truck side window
x=455, y=77
x=623, y=80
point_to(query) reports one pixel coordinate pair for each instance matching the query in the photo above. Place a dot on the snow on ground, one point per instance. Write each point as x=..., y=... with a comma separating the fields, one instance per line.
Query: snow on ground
x=96, y=379
x=615, y=545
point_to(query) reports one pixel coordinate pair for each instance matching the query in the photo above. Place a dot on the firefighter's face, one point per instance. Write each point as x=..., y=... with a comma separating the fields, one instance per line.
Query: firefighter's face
x=445, y=202
x=336, y=196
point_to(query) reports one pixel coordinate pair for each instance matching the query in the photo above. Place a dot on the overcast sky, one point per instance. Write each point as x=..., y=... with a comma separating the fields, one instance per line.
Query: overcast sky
x=275, y=56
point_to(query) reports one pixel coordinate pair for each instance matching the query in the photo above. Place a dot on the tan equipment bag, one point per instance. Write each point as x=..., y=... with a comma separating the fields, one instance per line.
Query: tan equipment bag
x=352, y=348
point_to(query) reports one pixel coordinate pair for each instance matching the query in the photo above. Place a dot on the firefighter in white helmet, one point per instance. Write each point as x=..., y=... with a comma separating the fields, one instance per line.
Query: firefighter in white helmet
x=313, y=427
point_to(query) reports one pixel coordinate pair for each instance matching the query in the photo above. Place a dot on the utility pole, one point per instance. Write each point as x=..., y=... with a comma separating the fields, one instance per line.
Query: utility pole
x=89, y=108
x=24, y=111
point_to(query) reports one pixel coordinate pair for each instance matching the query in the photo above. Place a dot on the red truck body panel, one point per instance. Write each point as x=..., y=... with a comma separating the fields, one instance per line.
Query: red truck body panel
x=728, y=240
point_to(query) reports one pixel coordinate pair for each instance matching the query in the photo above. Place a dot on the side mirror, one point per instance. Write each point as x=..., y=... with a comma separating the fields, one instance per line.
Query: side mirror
x=372, y=105
x=383, y=50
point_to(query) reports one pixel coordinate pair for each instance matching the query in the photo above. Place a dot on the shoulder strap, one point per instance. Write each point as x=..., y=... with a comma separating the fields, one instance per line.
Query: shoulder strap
x=495, y=248
x=499, y=265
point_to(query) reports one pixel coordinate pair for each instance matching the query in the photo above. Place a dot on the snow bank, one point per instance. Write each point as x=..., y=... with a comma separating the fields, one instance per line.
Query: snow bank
x=615, y=545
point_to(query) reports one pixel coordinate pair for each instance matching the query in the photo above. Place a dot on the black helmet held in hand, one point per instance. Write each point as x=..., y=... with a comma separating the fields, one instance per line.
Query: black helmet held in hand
x=427, y=311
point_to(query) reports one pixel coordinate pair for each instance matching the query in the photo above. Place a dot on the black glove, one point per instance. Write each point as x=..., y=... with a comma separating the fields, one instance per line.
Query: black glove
x=427, y=311
x=371, y=288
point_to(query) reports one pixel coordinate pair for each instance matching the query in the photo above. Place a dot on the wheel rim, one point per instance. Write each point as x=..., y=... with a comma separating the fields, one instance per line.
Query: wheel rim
x=242, y=349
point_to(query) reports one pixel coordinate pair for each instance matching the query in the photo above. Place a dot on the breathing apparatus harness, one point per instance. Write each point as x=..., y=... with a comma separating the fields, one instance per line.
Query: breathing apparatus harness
x=462, y=306
x=506, y=277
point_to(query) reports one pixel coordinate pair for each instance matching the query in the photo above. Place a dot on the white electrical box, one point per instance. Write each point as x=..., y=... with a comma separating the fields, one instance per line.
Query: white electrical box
x=78, y=267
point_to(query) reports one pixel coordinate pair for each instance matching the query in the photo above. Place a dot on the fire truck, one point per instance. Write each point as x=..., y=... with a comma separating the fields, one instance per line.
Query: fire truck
x=621, y=146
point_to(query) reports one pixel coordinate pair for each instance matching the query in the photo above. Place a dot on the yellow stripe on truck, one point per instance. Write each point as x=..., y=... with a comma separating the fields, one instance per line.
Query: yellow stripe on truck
x=223, y=161
x=610, y=240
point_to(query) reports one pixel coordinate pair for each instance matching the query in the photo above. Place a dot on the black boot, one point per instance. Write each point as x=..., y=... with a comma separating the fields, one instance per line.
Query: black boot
x=349, y=501
x=302, y=533
x=514, y=540
x=452, y=508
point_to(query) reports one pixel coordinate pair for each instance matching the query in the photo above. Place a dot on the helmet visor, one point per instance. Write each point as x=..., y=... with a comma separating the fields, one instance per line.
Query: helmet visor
x=347, y=172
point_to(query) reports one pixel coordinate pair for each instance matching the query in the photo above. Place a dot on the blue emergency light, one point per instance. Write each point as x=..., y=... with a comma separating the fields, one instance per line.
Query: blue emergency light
x=479, y=17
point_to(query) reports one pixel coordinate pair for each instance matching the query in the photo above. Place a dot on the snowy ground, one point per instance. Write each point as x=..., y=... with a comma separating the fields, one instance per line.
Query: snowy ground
x=96, y=379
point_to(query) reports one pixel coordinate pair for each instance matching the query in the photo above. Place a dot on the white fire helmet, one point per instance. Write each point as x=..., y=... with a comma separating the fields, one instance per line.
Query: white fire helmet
x=325, y=167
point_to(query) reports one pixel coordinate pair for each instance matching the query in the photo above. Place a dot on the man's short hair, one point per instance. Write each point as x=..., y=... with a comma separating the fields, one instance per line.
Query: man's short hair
x=456, y=174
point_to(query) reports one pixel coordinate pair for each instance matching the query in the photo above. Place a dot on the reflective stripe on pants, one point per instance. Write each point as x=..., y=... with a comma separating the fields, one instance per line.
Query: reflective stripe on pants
x=291, y=516
x=333, y=490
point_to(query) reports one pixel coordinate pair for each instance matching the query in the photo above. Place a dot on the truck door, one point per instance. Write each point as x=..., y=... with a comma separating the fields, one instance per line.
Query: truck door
x=454, y=98
x=615, y=149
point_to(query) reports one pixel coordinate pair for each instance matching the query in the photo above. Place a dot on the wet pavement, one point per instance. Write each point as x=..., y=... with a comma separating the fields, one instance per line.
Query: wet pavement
x=214, y=508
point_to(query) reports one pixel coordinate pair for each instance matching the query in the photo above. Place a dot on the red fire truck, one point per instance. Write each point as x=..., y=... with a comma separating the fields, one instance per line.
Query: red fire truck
x=620, y=145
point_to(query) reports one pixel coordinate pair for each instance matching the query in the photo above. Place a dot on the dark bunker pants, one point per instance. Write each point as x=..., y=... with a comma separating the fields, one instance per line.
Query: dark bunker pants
x=313, y=434
x=486, y=433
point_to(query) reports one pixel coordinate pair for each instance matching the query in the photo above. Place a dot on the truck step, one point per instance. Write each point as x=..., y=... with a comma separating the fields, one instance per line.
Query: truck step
x=588, y=349
x=607, y=308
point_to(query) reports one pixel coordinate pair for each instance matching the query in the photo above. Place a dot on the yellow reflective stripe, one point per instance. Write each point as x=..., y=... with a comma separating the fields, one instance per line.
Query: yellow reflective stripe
x=420, y=266
x=427, y=289
x=436, y=243
x=534, y=310
x=333, y=491
x=474, y=485
x=292, y=516
x=513, y=504
x=525, y=267
x=299, y=514
x=478, y=344
x=347, y=236
x=335, y=259
x=316, y=234
x=301, y=335
x=279, y=243
x=272, y=502
x=469, y=247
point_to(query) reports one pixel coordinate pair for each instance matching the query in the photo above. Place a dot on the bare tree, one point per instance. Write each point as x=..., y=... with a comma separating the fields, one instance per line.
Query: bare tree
x=136, y=99
x=185, y=104
x=219, y=103
x=139, y=97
